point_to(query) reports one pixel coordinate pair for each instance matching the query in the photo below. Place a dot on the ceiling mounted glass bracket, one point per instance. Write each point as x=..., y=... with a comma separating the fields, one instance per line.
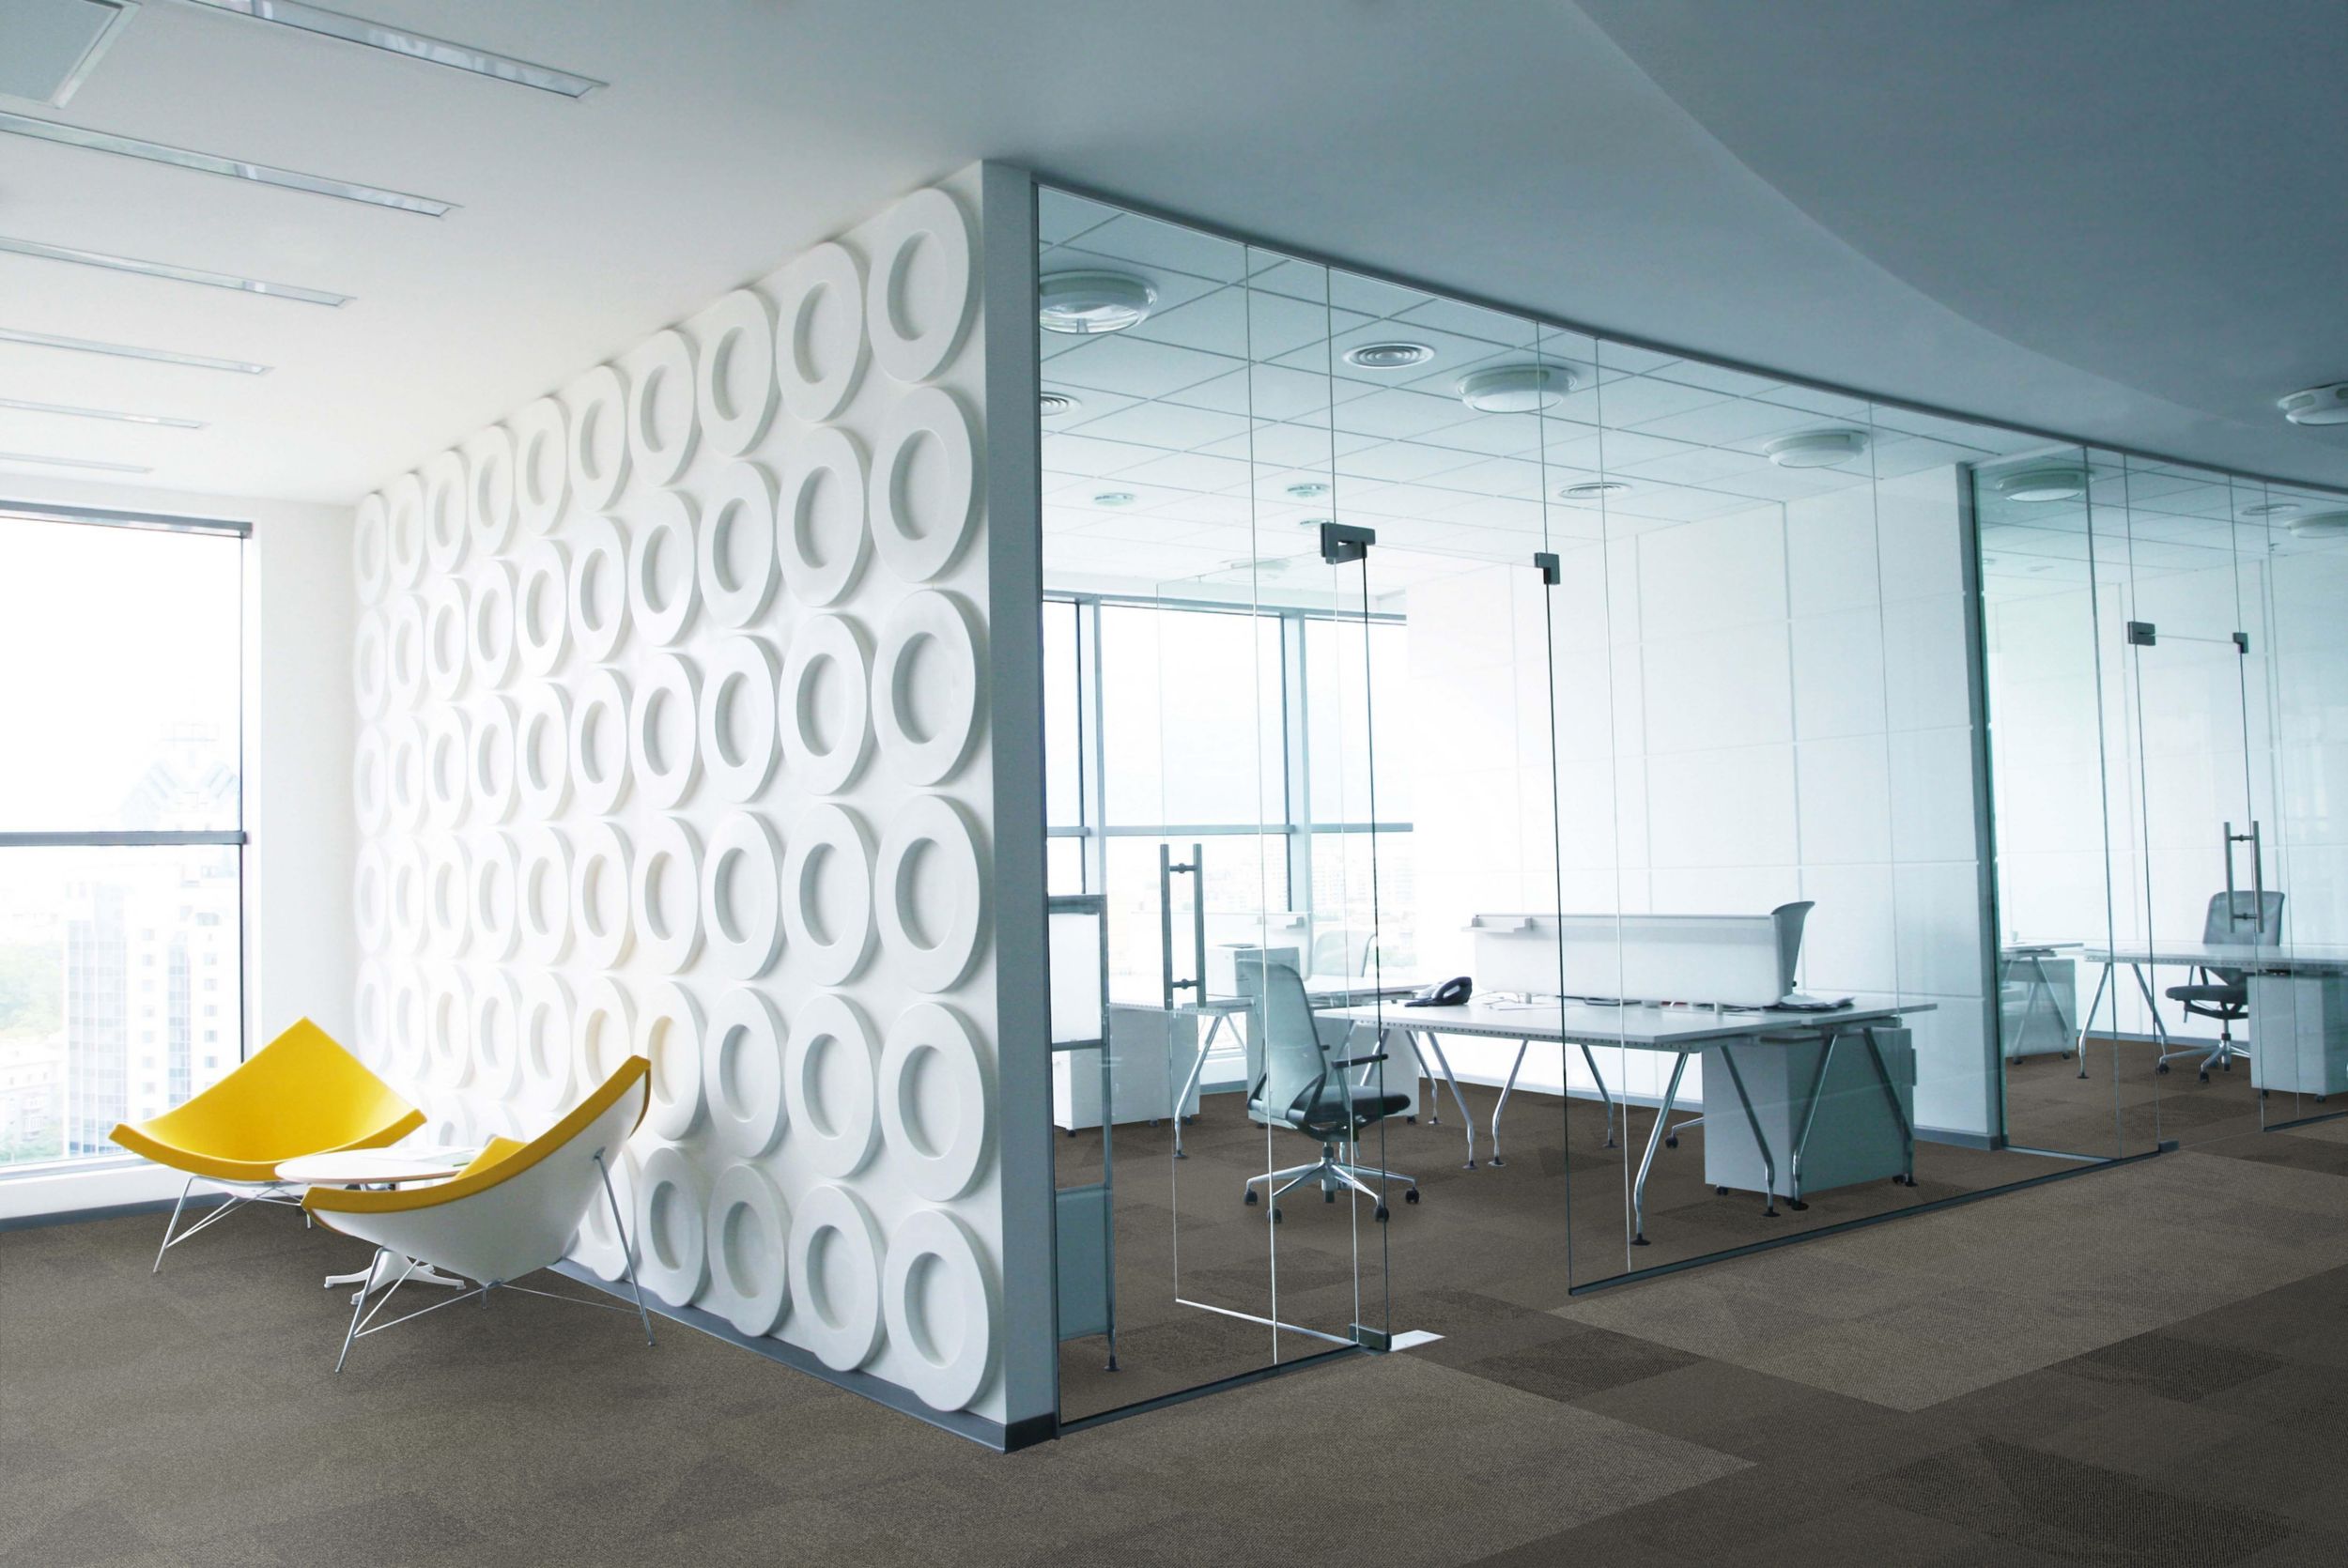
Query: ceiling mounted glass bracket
x=1344, y=542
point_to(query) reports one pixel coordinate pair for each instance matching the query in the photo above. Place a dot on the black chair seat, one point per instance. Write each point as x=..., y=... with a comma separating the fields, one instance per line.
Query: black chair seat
x=2216, y=996
x=1325, y=1115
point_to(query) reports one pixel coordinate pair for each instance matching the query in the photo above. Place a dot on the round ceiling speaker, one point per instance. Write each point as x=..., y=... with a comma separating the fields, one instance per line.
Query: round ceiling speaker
x=1388, y=356
x=2043, y=484
x=1088, y=303
x=2320, y=524
x=1515, y=388
x=2325, y=405
x=1594, y=490
x=2272, y=509
x=1055, y=405
x=1816, y=449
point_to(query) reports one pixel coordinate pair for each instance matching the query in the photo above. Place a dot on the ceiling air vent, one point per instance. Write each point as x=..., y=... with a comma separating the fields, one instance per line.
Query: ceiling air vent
x=48, y=46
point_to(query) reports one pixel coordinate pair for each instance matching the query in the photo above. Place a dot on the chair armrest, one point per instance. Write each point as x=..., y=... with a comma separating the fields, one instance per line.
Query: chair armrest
x=1360, y=1061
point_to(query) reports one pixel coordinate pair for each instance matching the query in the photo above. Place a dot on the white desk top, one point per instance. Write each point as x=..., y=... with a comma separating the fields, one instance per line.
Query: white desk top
x=1322, y=991
x=1640, y=1028
x=2310, y=958
x=376, y=1167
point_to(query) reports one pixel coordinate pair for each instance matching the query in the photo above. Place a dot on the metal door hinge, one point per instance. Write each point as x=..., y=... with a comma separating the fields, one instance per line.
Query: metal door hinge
x=2142, y=634
x=1551, y=569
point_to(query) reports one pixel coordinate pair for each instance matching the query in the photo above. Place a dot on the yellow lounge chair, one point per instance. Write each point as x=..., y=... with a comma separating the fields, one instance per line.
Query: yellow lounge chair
x=513, y=1211
x=300, y=1093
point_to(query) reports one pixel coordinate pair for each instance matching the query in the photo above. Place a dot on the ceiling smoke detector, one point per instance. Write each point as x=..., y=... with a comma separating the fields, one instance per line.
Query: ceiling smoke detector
x=2324, y=404
x=1052, y=404
x=2042, y=484
x=1515, y=388
x=1084, y=303
x=1816, y=449
x=1595, y=489
x=1388, y=356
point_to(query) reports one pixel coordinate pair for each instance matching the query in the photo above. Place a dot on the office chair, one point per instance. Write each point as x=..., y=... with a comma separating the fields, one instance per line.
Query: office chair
x=2234, y=919
x=1302, y=1088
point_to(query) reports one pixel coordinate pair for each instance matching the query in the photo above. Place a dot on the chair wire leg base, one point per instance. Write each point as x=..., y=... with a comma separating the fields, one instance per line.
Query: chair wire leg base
x=173, y=1225
x=628, y=1248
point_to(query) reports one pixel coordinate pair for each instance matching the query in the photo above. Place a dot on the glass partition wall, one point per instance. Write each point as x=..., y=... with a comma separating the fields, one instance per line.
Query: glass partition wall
x=1392, y=641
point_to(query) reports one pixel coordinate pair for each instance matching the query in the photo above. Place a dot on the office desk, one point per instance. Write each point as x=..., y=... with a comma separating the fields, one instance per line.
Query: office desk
x=1681, y=1032
x=1323, y=994
x=2292, y=960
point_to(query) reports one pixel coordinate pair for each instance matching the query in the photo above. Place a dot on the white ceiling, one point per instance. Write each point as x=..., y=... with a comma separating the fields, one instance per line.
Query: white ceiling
x=1512, y=153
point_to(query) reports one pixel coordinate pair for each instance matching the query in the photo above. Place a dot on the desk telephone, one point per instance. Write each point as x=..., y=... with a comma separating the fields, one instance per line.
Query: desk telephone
x=1450, y=994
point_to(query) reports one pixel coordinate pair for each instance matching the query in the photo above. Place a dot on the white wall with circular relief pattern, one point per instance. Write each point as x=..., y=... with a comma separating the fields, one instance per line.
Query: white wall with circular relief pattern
x=673, y=741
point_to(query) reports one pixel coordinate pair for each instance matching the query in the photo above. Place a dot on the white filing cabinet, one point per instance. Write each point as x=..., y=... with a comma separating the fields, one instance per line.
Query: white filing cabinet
x=1150, y=1051
x=1854, y=1137
x=2299, y=1034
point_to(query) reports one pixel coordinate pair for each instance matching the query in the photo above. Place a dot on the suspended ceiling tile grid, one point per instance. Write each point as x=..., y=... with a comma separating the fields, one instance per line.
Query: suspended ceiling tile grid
x=672, y=743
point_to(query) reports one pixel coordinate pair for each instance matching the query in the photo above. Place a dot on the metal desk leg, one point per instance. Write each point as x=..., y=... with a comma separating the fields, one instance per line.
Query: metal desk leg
x=1197, y=1070
x=1646, y=1160
x=1445, y=1062
x=1608, y=1099
x=1506, y=1089
x=1891, y=1097
x=2160, y=1032
x=1760, y=1139
x=2087, y=1018
x=1808, y=1114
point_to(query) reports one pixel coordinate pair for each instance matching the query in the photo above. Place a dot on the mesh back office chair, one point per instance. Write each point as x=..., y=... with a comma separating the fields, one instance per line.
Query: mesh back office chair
x=2239, y=920
x=1302, y=1089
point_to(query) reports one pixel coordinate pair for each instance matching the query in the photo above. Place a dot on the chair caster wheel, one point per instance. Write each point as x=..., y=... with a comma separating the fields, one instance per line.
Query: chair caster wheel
x=1275, y=1216
x=1413, y=1120
x=1670, y=1142
x=1411, y=1196
x=1381, y=1213
x=2206, y=1078
x=1251, y=1197
x=2161, y=1067
x=1328, y=1198
x=1719, y=1192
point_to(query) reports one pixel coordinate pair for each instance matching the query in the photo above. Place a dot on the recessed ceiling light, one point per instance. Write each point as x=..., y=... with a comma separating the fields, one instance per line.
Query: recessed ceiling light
x=1388, y=356
x=166, y=270
x=1115, y=497
x=2320, y=524
x=2271, y=509
x=1515, y=388
x=52, y=46
x=2051, y=483
x=212, y=164
x=1816, y=449
x=128, y=351
x=1310, y=490
x=2324, y=404
x=73, y=463
x=416, y=46
x=1052, y=404
x=1593, y=490
x=24, y=406
x=1088, y=303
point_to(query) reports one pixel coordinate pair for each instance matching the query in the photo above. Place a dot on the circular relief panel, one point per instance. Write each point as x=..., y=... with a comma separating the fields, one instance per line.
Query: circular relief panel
x=599, y=1244
x=489, y=489
x=835, y=1277
x=404, y=651
x=371, y=549
x=820, y=346
x=404, y=895
x=496, y=897
x=496, y=1046
x=447, y=640
x=925, y=686
x=371, y=779
x=599, y=741
x=598, y=402
x=820, y=532
x=668, y=1035
x=742, y=897
x=402, y=776
x=448, y=896
x=748, y=1233
x=830, y=1084
x=542, y=465
x=542, y=750
x=924, y=492
x=599, y=602
x=447, y=767
x=738, y=743
x=941, y=1305
x=600, y=896
x=371, y=1001
x=447, y=512
x=407, y=1054
x=370, y=664
x=664, y=730
x=489, y=624
x=673, y=1258
x=828, y=894
x=929, y=889
x=662, y=575
x=606, y=1021
x=823, y=707
x=923, y=286
x=662, y=424
x=448, y=1027
x=935, y=1088
x=742, y=1049
x=542, y=896
x=543, y=1027
x=370, y=898
x=735, y=563
x=736, y=383
x=542, y=608
x=489, y=767
x=403, y=514
x=666, y=899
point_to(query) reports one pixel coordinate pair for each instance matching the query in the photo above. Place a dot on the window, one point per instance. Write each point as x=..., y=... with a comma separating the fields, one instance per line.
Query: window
x=121, y=819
